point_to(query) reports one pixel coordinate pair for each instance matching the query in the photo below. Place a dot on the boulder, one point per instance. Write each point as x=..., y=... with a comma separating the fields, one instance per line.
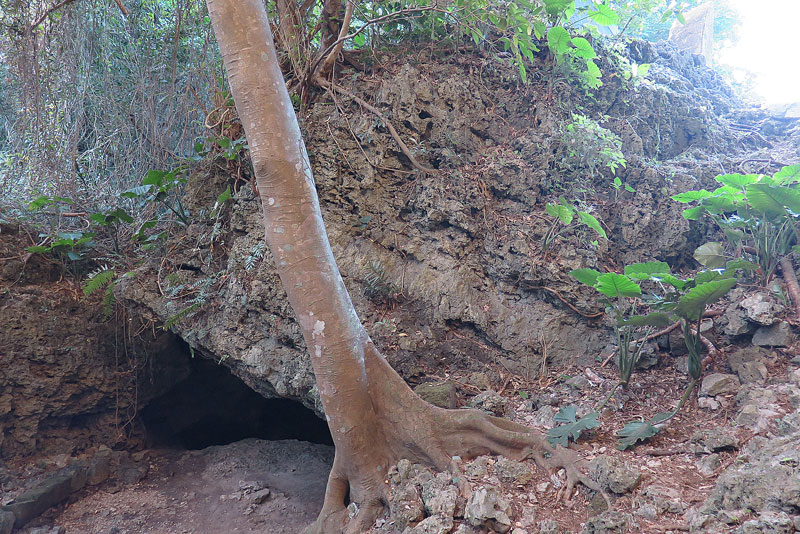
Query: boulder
x=487, y=508
x=442, y=394
x=763, y=479
x=609, y=522
x=777, y=335
x=761, y=308
x=511, y=471
x=613, y=474
x=7, y=520
x=489, y=401
x=719, y=384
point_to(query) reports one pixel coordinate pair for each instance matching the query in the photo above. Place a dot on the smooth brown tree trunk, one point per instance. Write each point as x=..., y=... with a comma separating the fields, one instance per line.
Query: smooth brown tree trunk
x=374, y=418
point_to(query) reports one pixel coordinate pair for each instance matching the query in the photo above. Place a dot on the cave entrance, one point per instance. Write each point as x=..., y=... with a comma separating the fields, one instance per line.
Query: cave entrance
x=211, y=406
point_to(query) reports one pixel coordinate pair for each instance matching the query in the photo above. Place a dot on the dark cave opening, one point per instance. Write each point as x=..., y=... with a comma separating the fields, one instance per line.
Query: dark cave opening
x=212, y=406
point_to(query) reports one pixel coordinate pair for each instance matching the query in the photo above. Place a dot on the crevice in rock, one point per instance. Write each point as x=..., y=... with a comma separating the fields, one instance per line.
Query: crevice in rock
x=212, y=406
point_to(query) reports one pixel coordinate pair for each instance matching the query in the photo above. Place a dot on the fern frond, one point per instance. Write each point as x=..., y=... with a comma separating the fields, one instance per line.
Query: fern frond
x=98, y=280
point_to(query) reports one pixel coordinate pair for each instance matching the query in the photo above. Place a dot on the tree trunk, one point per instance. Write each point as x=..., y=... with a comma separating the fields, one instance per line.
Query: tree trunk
x=374, y=417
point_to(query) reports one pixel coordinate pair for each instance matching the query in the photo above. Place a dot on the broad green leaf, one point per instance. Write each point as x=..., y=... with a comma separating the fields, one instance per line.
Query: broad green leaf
x=585, y=276
x=741, y=264
x=539, y=29
x=38, y=249
x=583, y=48
x=720, y=204
x=693, y=303
x=634, y=432
x=646, y=269
x=773, y=201
x=617, y=285
x=557, y=7
x=604, y=16
x=691, y=196
x=657, y=319
x=710, y=255
x=667, y=278
x=593, y=74
x=122, y=215
x=694, y=213
x=738, y=181
x=564, y=213
x=154, y=177
x=590, y=221
x=572, y=429
x=567, y=414
x=788, y=175
x=644, y=68
x=706, y=276
x=558, y=40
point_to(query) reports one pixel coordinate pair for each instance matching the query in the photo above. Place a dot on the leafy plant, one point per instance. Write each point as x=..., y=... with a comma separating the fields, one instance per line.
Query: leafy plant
x=758, y=215
x=378, y=287
x=161, y=187
x=70, y=245
x=585, y=145
x=564, y=214
x=673, y=300
x=572, y=427
x=102, y=278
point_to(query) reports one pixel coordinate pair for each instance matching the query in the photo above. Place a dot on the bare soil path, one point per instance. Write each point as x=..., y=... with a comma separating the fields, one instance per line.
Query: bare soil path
x=251, y=486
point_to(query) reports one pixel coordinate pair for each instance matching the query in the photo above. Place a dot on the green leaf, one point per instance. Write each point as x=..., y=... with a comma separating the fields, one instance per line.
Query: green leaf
x=154, y=177
x=558, y=40
x=694, y=302
x=572, y=429
x=692, y=196
x=136, y=192
x=557, y=7
x=657, y=319
x=710, y=255
x=565, y=213
x=741, y=264
x=593, y=74
x=604, y=16
x=788, y=175
x=644, y=68
x=694, y=213
x=583, y=48
x=590, y=221
x=224, y=196
x=738, y=181
x=634, y=432
x=585, y=276
x=97, y=281
x=38, y=249
x=617, y=285
x=773, y=200
x=636, y=270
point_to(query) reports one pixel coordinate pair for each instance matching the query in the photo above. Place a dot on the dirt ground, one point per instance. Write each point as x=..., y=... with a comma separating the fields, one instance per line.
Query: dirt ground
x=251, y=486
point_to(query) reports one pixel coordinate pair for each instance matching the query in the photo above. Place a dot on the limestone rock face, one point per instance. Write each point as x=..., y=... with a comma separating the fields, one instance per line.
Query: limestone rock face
x=63, y=365
x=763, y=479
x=697, y=35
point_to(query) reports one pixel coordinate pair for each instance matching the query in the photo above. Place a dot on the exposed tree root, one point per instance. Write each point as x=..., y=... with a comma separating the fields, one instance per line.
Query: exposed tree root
x=792, y=287
x=408, y=427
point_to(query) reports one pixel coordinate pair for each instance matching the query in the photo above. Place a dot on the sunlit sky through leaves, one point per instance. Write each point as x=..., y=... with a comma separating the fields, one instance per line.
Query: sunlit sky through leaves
x=769, y=47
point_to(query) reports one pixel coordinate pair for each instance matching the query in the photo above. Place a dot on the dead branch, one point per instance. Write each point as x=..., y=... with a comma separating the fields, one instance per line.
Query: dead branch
x=369, y=107
x=330, y=59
